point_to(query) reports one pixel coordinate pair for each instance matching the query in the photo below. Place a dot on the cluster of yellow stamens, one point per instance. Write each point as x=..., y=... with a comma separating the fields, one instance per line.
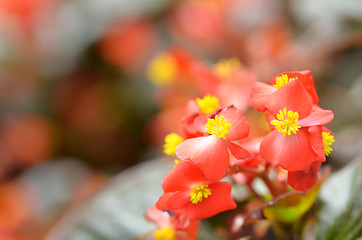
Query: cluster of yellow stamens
x=287, y=122
x=225, y=67
x=208, y=104
x=166, y=233
x=162, y=69
x=172, y=140
x=199, y=192
x=282, y=80
x=218, y=126
x=328, y=140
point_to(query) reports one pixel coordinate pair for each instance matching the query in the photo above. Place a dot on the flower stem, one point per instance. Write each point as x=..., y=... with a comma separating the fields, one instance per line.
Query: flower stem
x=273, y=190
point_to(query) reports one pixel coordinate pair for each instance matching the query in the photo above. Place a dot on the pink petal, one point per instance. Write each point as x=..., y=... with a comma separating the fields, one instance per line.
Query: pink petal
x=205, y=79
x=160, y=218
x=239, y=126
x=259, y=95
x=237, y=151
x=236, y=90
x=293, y=153
x=209, y=153
x=220, y=200
x=291, y=96
x=184, y=175
x=317, y=117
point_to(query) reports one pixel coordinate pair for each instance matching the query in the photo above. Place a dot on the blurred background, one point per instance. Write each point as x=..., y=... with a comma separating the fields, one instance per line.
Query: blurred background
x=83, y=99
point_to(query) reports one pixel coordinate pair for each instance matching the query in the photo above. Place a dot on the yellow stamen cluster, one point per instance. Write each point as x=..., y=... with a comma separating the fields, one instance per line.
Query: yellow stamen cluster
x=172, y=140
x=218, y=126
x=328, y=140
x=227, y=66
x=162, y=69
x=287, y=122
x=199, y=192
x=282, y=80
x=166, y=233
x=208, y=104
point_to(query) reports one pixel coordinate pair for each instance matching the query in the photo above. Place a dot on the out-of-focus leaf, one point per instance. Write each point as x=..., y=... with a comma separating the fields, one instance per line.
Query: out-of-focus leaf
x=340, y=214
x=289, y=207
x=118, y=211
x=50, y=187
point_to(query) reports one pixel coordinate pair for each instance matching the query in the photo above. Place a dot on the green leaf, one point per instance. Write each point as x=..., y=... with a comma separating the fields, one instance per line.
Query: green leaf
x=290, y=207
x=340, y=213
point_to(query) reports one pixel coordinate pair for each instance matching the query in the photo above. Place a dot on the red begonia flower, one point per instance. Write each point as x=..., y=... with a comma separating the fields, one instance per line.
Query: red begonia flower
x=293, y=144
x=211, y=153
x=186, y=188
x=261, y=92
x=194, y=112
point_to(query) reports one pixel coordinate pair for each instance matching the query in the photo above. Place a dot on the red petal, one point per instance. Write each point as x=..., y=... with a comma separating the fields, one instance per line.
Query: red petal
x=317, y=117
x=190, y=129
x=162, y=201
x=308, y=82
x=179, y=199
x=316, y=140
x=238, y=152
x=293, y=153
x=259, y=95
x=220, y=200
x=239, y=126
x=208, y=153
x=291, y=96
x=306, y=79
x=301, y=180
x=184, y=175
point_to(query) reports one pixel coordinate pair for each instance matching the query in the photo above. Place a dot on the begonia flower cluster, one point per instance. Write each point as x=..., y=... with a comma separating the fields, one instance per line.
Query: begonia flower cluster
x=215, y=149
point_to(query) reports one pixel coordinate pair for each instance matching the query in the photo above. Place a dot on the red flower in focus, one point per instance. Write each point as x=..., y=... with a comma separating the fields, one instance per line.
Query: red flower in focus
x=206, y=106
x=295, y=143
x=261, y=92
x=186, y=188
x=211, y=153
x=307, y=178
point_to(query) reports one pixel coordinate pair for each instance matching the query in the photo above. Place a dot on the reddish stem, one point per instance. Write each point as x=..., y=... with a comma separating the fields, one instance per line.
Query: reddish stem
x=273, y=190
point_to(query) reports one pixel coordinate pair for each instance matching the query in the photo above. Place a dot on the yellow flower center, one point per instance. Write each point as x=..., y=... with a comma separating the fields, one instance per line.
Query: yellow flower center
x=172, y=140
x=218, y=126
x=162, y=69
x=282, y=80
x=328, y=140
x=227, y=66
x=287, y=122
x=199, y=192
x=166, y=233
x=208, y=104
